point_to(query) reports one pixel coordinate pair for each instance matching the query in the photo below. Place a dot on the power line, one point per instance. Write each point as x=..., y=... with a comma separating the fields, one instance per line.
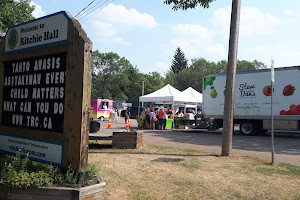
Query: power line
x=99, y=10
x=89, y=8
x=92, y=14
x=86, y=13
x=84, y=8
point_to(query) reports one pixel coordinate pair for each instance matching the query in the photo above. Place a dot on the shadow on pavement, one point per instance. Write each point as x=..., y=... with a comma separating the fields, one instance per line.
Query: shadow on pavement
x=284, y=144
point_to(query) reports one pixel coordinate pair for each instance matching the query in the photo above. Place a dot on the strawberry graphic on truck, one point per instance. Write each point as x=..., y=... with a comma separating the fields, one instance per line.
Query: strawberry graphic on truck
x=288, y=90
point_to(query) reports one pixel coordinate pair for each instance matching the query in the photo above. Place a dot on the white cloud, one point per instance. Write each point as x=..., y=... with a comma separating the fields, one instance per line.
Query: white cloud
x=290, y=17
x=192, y=30
x=118, y=14
x=283, y=55
x=104, y=29
x=110, y=24
x=38, y=12
x=288, y=12
x=195, y=41
x=120, y=40
x=162, y=67
x=253, y=21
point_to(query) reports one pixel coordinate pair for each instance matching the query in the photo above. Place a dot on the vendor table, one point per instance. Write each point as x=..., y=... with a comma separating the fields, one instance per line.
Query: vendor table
x=183, y=122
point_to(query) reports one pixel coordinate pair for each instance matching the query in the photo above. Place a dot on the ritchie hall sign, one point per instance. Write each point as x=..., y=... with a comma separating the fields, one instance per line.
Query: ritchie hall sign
x=45, y=82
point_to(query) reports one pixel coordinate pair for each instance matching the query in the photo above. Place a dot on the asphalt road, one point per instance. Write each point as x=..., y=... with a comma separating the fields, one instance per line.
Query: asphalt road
x=287, y=144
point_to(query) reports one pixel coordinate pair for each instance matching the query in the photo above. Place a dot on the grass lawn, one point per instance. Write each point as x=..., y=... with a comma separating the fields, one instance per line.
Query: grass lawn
x=155, y=172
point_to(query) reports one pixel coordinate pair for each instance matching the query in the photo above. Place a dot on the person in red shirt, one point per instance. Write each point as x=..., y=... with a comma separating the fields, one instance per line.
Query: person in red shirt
x=161, y=118
x=149, y=108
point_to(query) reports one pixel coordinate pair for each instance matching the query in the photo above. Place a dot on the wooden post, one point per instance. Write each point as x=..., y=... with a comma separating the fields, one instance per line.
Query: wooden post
x=230, y=80
x=78, y=97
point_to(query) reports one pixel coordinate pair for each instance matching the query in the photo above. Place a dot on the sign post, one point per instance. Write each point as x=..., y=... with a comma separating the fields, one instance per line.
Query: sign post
x=272, y=120
x=45, y=83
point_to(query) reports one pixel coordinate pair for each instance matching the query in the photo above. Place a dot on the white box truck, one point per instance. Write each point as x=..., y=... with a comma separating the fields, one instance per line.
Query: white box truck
x=252, y=104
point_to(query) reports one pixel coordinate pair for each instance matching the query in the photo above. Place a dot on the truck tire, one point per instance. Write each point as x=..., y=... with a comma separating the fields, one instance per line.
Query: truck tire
x=248, y=127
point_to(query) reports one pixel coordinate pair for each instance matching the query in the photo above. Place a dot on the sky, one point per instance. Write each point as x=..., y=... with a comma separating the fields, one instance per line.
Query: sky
x=147, y=33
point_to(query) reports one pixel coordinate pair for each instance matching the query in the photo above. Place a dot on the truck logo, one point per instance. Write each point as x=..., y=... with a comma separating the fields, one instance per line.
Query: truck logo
x=247, y=90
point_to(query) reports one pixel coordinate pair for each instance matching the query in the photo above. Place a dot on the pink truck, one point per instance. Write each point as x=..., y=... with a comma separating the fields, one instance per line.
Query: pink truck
x=101, y=109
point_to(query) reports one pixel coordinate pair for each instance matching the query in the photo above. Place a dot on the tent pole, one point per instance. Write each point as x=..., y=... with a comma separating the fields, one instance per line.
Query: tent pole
x=173, y=115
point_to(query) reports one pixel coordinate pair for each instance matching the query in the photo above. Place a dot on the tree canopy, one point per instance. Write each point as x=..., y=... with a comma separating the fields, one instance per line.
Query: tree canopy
x=14, y=12
x=114, y=77
x=192, y=76
x=179, y=62
x=184, y=5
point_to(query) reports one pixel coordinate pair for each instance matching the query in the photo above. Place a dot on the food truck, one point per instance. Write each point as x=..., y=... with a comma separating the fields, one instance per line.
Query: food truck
x=101, y=109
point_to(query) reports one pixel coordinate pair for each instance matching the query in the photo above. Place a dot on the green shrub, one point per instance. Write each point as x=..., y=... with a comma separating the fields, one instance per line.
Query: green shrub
x=23, y=173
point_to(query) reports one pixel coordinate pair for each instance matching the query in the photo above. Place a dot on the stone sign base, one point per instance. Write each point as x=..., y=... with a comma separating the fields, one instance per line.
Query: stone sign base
x=92, y=192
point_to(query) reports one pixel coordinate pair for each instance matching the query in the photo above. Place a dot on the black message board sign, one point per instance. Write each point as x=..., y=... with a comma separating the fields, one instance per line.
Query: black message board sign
x=34, y=93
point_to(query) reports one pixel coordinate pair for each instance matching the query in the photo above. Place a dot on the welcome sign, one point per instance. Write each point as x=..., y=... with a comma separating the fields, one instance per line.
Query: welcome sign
x=45, y=90
x=44, y=31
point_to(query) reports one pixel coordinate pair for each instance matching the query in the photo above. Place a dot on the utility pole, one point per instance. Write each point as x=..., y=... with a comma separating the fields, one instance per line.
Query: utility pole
x=230, y=80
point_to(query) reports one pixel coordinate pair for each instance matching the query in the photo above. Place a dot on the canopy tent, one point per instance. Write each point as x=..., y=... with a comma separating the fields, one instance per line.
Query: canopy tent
x=194, y=93
x=168, y=94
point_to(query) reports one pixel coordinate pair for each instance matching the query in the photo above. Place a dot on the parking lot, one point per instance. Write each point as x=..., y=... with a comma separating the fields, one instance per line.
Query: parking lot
x=287, y=148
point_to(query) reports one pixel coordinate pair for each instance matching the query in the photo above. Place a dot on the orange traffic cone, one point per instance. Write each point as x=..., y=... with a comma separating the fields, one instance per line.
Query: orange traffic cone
x=109, y=124
x=127, y=124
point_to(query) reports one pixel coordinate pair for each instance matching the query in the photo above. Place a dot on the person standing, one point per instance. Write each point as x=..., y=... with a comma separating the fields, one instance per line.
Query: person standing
x=151, y=119
x=170, y=111
x=118, y=114
x=148, y=116
x=161, y=118
x=149, y=108
x=143, y=117
x=126, y=116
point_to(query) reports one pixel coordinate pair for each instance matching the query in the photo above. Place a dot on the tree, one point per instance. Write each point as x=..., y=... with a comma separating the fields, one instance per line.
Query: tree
x=232, y=64
x=244, y=65
x=14, y=12
x=184, y=79
x=179, y=61
x=108, y=77
x=114, y=77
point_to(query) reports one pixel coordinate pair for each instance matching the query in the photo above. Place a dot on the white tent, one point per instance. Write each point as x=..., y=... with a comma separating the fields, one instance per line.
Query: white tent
x=194, y=93
x=168, y=94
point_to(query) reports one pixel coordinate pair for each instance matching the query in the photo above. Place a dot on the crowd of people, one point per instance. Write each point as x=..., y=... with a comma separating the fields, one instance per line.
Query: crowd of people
x=149, y=117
